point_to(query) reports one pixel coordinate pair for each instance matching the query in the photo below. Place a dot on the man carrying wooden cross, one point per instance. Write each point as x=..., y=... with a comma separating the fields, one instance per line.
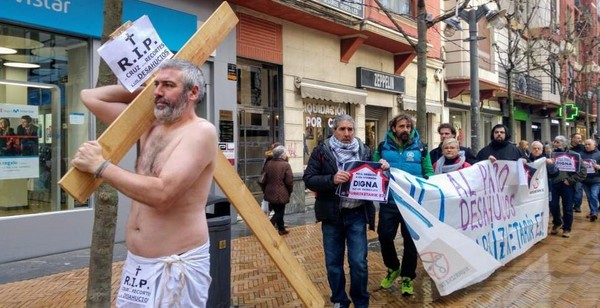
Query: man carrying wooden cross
x=167, y=234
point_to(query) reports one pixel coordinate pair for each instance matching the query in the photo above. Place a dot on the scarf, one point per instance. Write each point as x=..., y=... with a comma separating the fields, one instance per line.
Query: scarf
x=442, y=167
x=345, y=152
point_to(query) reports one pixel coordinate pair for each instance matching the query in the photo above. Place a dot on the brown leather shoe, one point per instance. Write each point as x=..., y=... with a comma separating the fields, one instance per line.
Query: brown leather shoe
x=283, y=232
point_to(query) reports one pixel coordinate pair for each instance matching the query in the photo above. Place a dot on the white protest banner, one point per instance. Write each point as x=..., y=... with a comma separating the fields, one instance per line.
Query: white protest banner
x=135, y=53
x=367, y=181
x=469, y=222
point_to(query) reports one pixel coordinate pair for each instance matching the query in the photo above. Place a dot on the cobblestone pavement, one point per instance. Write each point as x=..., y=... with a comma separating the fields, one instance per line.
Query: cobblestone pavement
x=557, y=272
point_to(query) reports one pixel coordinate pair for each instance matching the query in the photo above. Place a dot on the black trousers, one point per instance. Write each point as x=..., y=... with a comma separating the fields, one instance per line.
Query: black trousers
x=389, y=221
x=277, y=219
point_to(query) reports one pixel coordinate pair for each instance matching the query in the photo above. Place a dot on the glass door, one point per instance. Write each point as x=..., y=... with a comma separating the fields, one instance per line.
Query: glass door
x=258, y=117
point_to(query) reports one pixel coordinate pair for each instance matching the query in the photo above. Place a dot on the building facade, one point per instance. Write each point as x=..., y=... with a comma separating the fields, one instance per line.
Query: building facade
x=301, y=63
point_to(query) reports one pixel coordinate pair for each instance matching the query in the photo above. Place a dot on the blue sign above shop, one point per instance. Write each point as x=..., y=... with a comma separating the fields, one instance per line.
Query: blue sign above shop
x=85, y=17
x=79, y=16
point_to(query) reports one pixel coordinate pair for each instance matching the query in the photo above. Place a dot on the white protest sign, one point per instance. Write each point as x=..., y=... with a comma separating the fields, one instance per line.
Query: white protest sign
x=568, y=162
x=134, y=54
x=367, y=182
x=467, y=223
x=589, y=165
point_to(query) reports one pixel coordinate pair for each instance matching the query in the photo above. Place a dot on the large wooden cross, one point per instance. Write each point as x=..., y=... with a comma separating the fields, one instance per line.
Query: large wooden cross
x=137, y=118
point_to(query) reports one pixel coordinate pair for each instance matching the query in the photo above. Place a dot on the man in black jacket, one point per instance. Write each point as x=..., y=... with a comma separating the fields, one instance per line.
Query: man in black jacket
x=446, y=130
x=343, y=220
x=577, y=146
x=500, y=148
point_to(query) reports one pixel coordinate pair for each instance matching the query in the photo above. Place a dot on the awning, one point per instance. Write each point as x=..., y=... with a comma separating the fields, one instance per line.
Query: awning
x=410, y=103
x=327, y=91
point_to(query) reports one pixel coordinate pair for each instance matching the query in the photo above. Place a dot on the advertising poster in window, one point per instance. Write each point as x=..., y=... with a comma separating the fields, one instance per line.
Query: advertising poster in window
x=19, y=138
x=318, y=123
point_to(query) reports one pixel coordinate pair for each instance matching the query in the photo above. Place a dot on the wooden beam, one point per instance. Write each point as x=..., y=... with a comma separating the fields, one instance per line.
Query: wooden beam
x=139, y=115
x=245, y=203
x=402, y=60
x=137, y=118
x=348, y=46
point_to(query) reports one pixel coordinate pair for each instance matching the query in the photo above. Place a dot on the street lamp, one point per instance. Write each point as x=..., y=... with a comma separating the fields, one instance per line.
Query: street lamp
x=496, y=20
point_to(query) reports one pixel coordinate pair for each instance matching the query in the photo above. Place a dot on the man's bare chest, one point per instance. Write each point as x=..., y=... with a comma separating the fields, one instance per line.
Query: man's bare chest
x=154, y=153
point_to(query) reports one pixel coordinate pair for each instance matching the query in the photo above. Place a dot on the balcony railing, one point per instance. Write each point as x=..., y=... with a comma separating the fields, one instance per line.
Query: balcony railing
x=523, y=84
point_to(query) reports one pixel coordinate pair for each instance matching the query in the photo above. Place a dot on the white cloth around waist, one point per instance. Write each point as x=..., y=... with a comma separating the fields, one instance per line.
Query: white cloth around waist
x=171, y=281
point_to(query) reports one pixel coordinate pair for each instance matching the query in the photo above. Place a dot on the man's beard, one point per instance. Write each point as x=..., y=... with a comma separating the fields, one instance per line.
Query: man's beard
x=403, y=136
x=170, y=112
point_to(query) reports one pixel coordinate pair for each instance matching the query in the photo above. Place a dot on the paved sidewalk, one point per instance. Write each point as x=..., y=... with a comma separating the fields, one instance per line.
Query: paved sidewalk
x=558, y=272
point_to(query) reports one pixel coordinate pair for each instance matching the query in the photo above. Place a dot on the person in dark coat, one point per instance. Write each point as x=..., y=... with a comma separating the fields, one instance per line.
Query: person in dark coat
x=446, y=130
x=563, y=187
x=500, y=148
x=343, y=221
x=279, y=184
x=28, y=134
x=591, y=185
x=537, y=152
x=577, y=146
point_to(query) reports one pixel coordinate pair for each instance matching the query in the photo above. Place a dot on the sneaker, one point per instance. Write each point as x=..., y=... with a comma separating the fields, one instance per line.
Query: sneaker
x=389, y=279
x=577, y=210
x=566, y=233
x=407, y=286
x=554, y=230
x=593, y=217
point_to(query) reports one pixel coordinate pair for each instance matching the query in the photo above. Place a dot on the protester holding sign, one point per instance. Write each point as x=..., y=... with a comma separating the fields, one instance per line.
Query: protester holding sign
x=576, y=146
x=563, y=185
x=342, y=220
x=167, y=236
x=537, y=152
x=401, y=149
x=590, y=157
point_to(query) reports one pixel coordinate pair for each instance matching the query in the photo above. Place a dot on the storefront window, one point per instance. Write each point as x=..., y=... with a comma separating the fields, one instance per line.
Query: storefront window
x=318, y=122
x=43, y=121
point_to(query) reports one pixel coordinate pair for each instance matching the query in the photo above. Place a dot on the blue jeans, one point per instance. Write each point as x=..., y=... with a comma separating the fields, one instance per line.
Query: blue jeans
x=350, y=229
x=578, y=196
x=566, y=193
x=591, y=191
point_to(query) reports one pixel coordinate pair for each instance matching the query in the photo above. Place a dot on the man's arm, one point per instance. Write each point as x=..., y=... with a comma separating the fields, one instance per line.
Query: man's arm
x=107, y=102
x=427, y=166
x=177, y=175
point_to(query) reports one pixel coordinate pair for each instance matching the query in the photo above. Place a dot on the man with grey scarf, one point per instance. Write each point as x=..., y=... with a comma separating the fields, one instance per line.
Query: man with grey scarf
x=342, y=220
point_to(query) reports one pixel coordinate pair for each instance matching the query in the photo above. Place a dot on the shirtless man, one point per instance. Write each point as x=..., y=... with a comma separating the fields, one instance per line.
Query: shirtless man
x=167, y=232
